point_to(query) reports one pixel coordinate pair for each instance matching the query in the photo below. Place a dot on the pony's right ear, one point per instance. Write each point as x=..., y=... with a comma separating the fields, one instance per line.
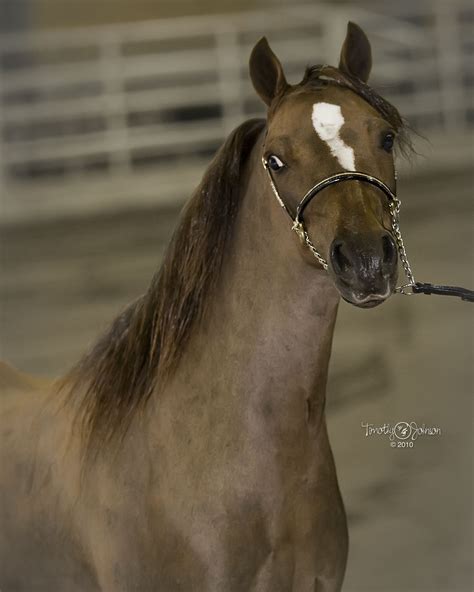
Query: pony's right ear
x=356, y=54
x=266, y=72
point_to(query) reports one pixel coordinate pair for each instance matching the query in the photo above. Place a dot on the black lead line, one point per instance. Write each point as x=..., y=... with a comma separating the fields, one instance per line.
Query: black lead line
x=439, y=290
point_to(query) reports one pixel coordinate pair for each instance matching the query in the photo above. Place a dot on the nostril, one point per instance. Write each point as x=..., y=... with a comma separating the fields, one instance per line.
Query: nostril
x=340, y=262
x=389, y=249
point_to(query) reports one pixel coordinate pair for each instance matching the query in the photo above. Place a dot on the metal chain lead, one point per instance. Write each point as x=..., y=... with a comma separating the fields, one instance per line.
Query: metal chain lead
x=395, y=212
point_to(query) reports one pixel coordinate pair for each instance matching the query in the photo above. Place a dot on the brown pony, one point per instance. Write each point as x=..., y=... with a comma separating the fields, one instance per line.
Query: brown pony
x=188, y=450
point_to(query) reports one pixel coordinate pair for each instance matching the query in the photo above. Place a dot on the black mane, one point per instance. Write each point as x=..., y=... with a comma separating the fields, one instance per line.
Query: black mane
x=144, y=344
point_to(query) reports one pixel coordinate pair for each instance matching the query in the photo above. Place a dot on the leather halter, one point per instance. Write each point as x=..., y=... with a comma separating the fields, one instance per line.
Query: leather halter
x=298, y=221
x=298, y=226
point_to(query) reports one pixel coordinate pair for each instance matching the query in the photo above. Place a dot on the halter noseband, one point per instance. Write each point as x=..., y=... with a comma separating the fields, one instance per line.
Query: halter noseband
x=299, y=226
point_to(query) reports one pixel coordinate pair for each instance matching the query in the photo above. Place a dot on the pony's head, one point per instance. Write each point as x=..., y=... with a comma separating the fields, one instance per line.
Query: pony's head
x=333, y=122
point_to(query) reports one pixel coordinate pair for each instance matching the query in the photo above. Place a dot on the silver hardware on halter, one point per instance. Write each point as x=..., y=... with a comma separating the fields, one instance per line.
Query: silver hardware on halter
x=394, y=208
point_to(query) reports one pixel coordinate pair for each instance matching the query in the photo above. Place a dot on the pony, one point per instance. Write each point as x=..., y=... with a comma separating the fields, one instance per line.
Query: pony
x=188, y=449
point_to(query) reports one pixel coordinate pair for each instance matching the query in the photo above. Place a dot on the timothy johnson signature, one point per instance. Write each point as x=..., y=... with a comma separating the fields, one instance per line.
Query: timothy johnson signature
x=402, y=434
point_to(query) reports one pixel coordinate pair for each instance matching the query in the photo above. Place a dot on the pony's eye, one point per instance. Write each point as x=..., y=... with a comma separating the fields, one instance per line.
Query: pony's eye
x=275, y=163
x=388, y=141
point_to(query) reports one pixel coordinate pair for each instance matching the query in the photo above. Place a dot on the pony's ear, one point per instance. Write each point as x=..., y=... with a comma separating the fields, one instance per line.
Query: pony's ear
x=356, y=55
x=266, y=72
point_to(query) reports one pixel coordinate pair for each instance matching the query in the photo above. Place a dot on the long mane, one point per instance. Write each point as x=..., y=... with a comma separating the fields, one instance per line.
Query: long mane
x=144, y=344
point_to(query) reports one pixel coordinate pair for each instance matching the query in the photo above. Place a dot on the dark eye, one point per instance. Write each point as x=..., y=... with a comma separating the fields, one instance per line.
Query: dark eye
x=275, y=163
x=388, y=141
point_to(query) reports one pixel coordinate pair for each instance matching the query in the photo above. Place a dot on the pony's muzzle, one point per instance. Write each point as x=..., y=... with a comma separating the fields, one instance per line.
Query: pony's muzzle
x=365, y=269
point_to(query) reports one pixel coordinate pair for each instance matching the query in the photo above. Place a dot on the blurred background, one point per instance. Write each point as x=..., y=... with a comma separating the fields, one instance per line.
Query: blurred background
x=109, y=112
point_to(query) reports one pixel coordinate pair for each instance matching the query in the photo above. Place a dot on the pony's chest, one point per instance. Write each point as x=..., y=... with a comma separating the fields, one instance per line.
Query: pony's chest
x=283, y=542
x=288, y=548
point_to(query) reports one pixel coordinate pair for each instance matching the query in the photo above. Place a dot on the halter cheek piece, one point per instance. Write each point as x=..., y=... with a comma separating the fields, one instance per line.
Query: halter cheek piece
x=298, y=221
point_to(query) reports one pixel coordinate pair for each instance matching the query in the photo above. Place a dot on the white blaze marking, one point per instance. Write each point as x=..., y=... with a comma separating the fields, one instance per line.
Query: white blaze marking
x=327, y=121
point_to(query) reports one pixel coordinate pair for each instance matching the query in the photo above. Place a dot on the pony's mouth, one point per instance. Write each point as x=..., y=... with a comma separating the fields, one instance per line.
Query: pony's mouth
x=368, y=301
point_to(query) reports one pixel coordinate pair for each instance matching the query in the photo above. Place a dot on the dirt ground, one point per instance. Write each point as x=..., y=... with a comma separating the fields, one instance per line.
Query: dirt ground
x=410, y=509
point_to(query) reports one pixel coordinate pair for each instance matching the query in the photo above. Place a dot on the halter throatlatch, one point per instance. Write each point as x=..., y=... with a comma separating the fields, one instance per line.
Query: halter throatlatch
x=409, y=288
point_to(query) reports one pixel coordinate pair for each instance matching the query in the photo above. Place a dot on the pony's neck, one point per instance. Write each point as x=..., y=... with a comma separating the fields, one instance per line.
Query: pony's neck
x=273, y=315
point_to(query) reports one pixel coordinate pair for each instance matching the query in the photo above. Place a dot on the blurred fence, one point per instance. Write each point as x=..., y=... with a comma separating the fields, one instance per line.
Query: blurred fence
x=129, y=114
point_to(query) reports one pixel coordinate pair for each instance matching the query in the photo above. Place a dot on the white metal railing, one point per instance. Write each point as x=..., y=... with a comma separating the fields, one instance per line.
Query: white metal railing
x=97, y=104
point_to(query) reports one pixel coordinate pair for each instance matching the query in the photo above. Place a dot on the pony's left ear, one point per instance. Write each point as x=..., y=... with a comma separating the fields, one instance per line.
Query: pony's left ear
x=356, y=55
